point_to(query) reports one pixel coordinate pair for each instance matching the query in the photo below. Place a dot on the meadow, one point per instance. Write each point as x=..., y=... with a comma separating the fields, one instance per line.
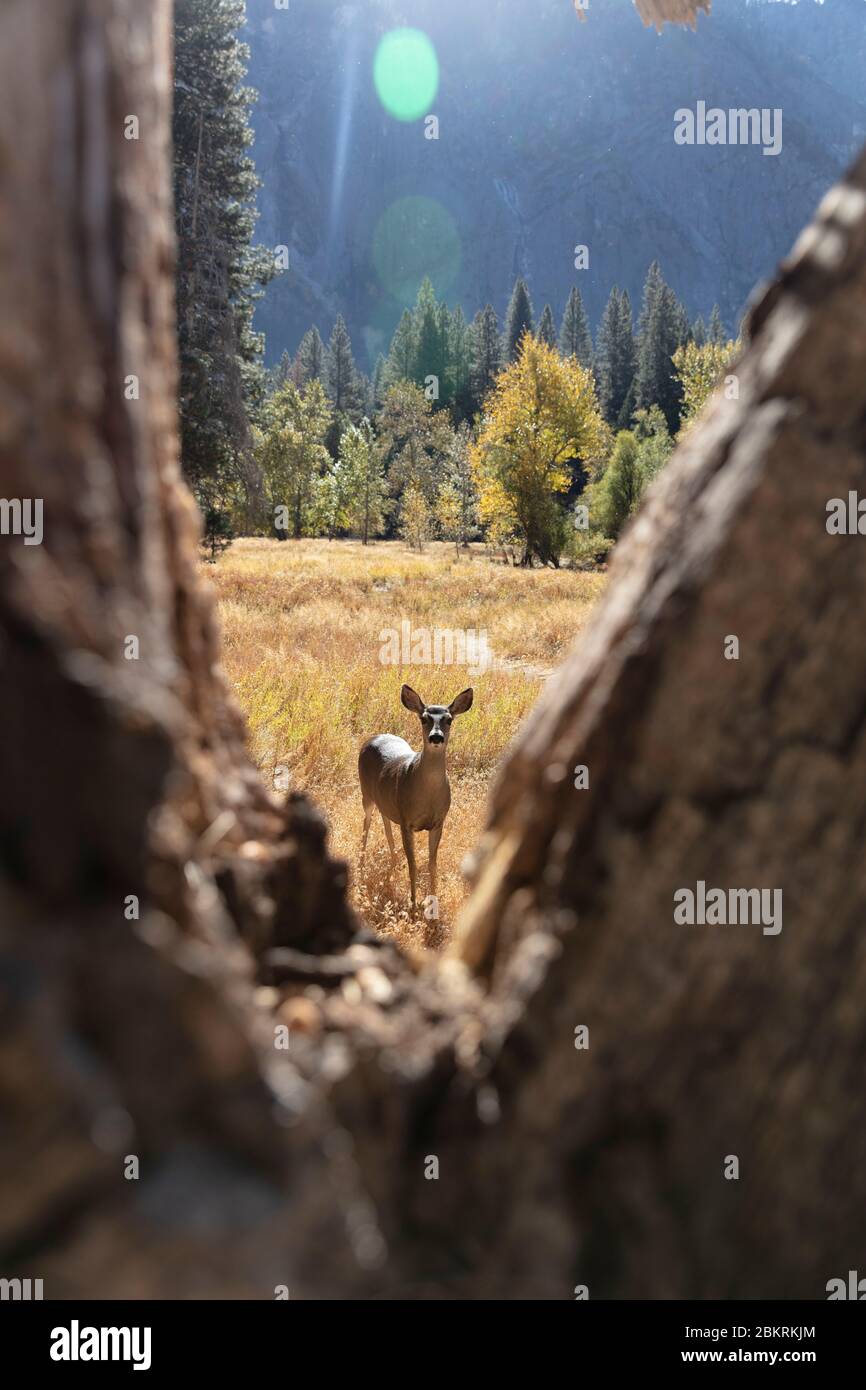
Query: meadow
x=303, y=625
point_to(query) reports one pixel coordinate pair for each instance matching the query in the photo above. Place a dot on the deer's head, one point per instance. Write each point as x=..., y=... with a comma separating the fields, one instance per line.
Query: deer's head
x=435, y=719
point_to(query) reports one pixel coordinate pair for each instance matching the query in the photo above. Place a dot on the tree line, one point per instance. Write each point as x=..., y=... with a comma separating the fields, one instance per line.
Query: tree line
x=541, y=441
x=540, y=438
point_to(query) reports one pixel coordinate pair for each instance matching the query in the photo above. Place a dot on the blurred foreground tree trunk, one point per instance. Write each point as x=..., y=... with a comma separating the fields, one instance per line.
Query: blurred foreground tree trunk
x=156, y=1140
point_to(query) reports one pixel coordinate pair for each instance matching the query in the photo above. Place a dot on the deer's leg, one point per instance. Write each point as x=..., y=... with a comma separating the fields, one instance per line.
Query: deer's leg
x=368, y=816
x=409, y=849
x=432, y=851
x=389, y=836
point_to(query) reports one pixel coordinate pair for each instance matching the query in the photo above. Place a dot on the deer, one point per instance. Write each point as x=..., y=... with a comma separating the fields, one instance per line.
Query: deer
x=411, y=789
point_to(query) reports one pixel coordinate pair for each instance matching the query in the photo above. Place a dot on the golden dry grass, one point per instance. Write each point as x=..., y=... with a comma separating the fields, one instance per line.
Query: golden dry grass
x=302, y=625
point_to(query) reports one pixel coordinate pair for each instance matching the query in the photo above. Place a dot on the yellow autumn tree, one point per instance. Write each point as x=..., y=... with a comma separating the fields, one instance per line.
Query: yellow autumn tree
x=540, y=417
x=700, y=370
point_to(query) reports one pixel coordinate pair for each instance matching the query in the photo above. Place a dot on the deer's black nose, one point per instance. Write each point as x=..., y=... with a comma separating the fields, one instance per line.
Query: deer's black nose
x=437, y=737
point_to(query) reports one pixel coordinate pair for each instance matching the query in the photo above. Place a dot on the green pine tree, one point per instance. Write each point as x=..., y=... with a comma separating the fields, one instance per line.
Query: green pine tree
x=575, y=337
x=663, y=327
x=682, y=323
x=378, y=386
x=616, y=357
x=341, y=374
x=460, y=366
x=283, y=370
x=518, y=320
x=219, y=272
x=445, y=345
x=365, y=395
x=486, y=353
x=402, y=354
x=431, y=363
x=311, y=357
x=547, y=327
x=628, y=407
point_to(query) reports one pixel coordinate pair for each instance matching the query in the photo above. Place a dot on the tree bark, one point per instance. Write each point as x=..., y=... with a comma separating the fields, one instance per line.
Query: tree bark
x=707, y=1041
x=132, y=824
x=123, y=779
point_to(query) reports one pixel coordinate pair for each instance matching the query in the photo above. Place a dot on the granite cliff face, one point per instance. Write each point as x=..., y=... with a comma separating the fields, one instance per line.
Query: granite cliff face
x=552, y=134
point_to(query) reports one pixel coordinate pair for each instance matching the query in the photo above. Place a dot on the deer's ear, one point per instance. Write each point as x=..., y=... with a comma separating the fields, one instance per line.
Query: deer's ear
x=461, y=702
x=412, y=700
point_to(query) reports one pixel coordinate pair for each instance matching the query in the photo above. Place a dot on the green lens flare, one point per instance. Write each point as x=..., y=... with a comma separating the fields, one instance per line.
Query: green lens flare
x=415, y=237
x=406, y=73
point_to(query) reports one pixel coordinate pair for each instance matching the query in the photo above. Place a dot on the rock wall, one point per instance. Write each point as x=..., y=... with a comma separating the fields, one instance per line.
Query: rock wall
x=552, y=134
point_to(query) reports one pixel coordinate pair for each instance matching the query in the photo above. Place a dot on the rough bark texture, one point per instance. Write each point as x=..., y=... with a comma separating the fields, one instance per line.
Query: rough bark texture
x=557, y=1166
x=709, y=1040
x=120, y=777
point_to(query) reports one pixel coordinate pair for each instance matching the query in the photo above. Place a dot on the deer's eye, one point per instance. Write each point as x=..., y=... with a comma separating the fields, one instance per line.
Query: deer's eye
x=425, y=718
x=447, y=719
